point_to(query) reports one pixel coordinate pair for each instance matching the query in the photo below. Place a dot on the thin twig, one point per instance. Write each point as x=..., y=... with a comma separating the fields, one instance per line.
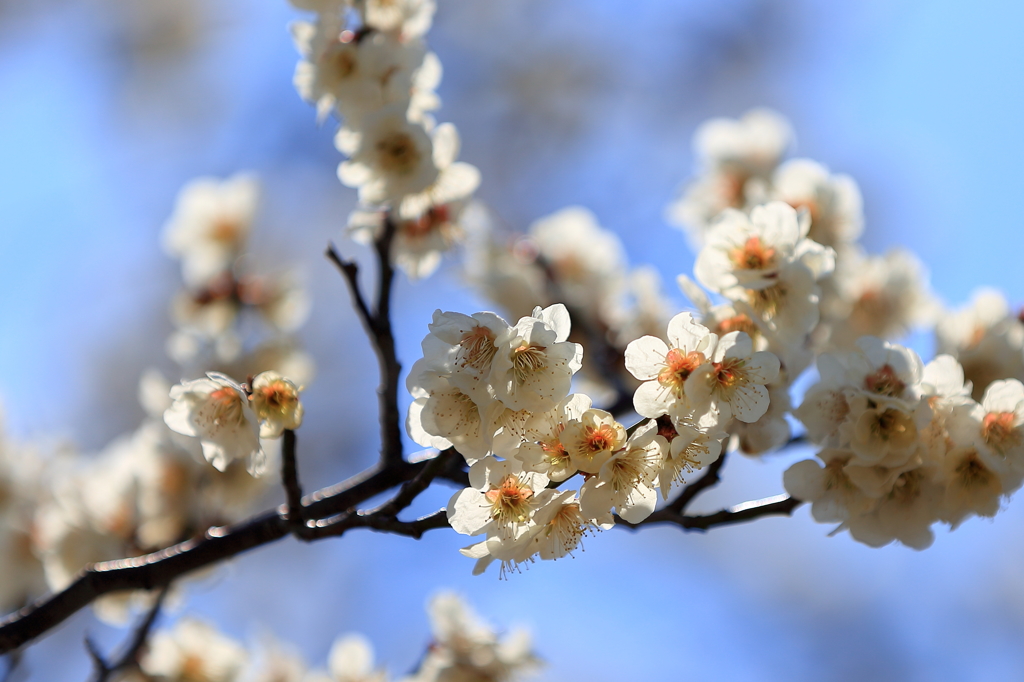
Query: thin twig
x=133, y=648
x=769, y=506
x=290, y=479
x=377, y=324
x=13, y=661
x=411, y=489
x=350, y=269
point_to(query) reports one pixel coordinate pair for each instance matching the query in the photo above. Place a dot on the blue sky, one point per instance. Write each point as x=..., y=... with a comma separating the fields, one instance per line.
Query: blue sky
x=558, y=103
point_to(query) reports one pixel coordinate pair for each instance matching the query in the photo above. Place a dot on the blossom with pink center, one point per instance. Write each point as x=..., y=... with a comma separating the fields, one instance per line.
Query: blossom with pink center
x=627, y=482
x=665, y=368
x=732, y=384
x=216, y=410
x=501, y=500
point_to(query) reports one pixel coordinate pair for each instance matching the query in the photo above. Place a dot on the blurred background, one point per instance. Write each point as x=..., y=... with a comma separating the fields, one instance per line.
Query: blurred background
x=108, y=106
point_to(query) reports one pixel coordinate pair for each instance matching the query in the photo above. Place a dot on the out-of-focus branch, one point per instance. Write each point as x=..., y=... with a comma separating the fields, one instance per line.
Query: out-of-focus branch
x=133, y=648
x=378, y=326
x=13, y=660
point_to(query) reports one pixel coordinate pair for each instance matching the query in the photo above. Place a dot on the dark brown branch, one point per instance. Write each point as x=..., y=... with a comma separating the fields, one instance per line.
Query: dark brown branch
x=770, y=506
x=331, y=528
x=290, y=479
x=384, y=517
x=350, y=270
x=158, y=569
x=384, y=341
x=411, y=489
x=378, y=327
x=133, y=648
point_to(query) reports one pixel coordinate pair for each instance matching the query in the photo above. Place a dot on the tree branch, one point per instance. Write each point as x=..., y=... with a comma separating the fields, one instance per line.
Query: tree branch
x=377, y=324
x=290, y=479
x=747, y=511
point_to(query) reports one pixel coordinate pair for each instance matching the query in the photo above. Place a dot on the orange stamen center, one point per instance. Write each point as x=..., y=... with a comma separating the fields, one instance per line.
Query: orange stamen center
x=753, y=255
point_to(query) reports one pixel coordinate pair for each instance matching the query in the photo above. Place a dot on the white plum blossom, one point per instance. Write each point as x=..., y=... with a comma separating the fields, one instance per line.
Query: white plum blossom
x=765, y=262
x=274, y=661
x=451, y=189
x=906, y=513
x=666, y=368
x=501, y=500
x=556, y=529
x=542, y=448
x=627, y=481
x=732, y=382
x=350, y=660
x=353, y=73
x=390, y=156
x=753, y=143
x=641, y=308
x=591, y=439
x=210, y=224
x=275, y=400
x=409, y=18
x=995, y=428
x=587, y=261
x=833, y=202
x=533, y=366
x=883, y=296
x=465, y=648
x=972, y=486
x=193, y=650
x=690, y=449
x=985, y=337
x=501, y=266
x=749, y=252
x=465, y=346
x=443, y=415
x=730, y=153
x=216, y=410
x=833, y=495
x=771, y=431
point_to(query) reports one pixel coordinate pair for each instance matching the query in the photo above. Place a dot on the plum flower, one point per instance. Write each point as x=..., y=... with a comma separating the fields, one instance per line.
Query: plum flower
x=664, y=369
x=276, y=402
x=533, y=367
x=216, y=410
x=732, y=384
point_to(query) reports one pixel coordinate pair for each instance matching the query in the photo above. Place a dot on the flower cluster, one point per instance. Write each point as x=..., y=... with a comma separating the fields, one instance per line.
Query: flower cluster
x=500, y=395
x=904, y=444
x=464, y=649
x=229, y=419
x=209, y=231
x=155, y=486
x=986, y=338
x=367, y=63
x=741, y=167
